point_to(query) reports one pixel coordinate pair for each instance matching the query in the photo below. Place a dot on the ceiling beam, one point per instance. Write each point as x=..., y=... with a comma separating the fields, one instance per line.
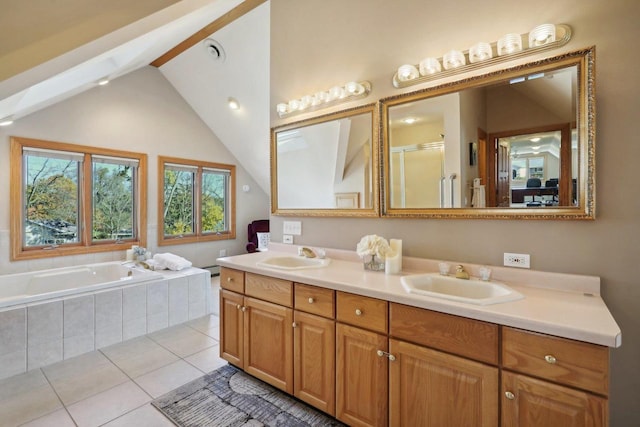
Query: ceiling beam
x=235, y=13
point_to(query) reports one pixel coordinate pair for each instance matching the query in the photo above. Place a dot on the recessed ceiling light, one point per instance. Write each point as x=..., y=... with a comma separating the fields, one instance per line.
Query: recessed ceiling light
x=233, y=103
x=103, y=82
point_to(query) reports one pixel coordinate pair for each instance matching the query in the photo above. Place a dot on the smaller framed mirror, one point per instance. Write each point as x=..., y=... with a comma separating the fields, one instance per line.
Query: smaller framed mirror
x=327, y=166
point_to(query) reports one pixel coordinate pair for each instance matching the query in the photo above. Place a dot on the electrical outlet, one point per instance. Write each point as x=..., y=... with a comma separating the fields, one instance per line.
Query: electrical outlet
x=223, y=252
x=292, y=227
x=516, y=260
x=287, y=238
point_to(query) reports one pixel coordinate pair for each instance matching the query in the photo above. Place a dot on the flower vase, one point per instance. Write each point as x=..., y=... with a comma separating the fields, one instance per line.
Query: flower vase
x=373, y=263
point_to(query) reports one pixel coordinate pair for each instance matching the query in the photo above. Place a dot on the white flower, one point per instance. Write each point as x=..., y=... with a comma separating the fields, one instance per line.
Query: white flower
x=373, y=245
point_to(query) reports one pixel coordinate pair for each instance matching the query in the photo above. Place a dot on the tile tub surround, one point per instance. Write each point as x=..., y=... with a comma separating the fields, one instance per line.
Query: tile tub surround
x=48, y=331
x=564, y=305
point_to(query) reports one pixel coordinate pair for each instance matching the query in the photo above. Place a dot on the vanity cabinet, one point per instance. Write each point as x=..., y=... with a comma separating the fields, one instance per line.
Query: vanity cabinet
x=362, y=360
x=553, y=381
x=432, y=379
x=314, y=343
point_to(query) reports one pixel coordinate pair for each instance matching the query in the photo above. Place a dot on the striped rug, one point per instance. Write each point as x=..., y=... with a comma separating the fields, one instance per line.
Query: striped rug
x=229, y=397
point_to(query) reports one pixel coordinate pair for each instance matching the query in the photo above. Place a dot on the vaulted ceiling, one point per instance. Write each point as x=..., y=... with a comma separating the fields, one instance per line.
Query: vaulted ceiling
x=54, y=49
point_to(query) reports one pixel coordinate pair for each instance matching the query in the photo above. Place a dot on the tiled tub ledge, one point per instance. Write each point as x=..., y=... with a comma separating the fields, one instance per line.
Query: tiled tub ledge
x=48, y=331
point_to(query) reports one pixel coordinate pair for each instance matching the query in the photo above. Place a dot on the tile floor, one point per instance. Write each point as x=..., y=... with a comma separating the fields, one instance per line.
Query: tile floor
x=113, y=386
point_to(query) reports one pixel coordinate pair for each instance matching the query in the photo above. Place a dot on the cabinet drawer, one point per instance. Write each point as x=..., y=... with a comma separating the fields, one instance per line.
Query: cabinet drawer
x=365, y=312
x=232, y=280
x=315, y=300
x=458, y=335
x=277, y=291
x=565, y=361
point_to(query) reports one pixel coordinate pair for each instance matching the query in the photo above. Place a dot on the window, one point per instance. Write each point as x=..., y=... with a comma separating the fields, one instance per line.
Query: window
x=196, y=201
x=70, y=199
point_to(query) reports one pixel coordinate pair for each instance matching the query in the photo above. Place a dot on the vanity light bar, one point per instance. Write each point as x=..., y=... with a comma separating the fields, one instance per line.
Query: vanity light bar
x=324, y=99
x=510, y=46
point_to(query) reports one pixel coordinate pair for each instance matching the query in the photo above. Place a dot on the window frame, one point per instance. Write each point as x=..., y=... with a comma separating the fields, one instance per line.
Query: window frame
x=86, y=244
x=197, y=235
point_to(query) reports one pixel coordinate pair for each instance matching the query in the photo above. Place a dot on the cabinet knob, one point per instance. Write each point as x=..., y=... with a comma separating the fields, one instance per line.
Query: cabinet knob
x=390, y=356
x=243, y=309
x=294, y=324
x=550, y=359
x=509, y=395
x=238, y=306
x=380, y=353
x=311, y=300
x=229, y=279
x=358, y=312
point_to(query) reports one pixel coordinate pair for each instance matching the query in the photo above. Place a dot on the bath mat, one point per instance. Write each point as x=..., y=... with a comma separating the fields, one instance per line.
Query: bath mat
x=228, y=397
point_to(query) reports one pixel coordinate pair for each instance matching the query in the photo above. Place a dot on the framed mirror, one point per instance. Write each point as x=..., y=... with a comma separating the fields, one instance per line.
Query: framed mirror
x=516, y=143
x=327, y=166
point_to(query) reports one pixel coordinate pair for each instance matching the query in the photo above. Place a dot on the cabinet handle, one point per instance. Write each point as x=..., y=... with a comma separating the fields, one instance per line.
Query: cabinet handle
x=550, y=359
x=229, y=279
x=509, y=395
x=311, y=300
x=358, y=312
x=238, y=306
x=390, y=356
x=243, y=309
x=294, y=324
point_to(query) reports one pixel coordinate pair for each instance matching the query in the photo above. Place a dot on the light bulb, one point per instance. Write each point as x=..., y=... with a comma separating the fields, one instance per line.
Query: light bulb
x=509, y=43
x=453, y=59
x=282, y=108
x=233, y=103
x=429, y=66
x=480, y=52
x=407, y=72
x=294, y=105
x=336, y=92
x=542, y=34
x=354, y=88
x=305, y=102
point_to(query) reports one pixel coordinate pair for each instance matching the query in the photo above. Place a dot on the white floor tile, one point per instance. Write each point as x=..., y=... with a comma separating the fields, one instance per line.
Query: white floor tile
x=26, y=397
x=170, y=377
x=59, y=418
x=139, y=356
x=83, y=376
x=183, y=340
x=144, y=416
x=207, y=360
x=209, y=325
x=108, y=405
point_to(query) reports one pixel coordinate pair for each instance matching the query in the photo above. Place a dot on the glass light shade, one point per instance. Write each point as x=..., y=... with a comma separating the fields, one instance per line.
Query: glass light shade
x=320, y=97
x=294, y=105
x=407, y=72
x=282, y=108
x=542, y=34
x=453, y=59
x=509, y=43
x=336, y=92
x=480, y=52
x=305, y=102
x=354, y=88
x=429, y=66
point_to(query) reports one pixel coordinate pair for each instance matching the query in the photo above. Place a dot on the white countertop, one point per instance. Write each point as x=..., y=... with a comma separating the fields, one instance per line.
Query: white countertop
x=564, y=305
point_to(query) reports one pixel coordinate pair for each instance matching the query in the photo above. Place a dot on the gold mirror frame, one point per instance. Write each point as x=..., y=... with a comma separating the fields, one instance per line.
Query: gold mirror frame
x=374, y=210
x=585, y=209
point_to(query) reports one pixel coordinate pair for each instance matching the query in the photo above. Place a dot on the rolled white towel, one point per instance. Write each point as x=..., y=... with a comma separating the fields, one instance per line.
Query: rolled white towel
x=172, y=261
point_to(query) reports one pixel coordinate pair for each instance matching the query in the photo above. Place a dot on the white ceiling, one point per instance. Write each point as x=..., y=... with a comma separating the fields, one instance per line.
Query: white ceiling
x=204, y=83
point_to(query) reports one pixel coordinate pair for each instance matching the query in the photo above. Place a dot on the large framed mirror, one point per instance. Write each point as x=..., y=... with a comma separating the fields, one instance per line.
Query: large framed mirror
x=327, y=166
x=516, y=143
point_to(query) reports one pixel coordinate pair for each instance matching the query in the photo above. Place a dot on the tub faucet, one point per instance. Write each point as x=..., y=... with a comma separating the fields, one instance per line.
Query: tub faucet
x=461, y=273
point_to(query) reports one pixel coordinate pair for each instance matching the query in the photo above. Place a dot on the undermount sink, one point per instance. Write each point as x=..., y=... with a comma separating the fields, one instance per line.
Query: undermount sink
x=472, y=291
x=293, y=262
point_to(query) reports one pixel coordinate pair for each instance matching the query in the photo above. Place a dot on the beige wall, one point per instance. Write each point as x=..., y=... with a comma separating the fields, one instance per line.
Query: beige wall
x=319, y=43
x=138, y=112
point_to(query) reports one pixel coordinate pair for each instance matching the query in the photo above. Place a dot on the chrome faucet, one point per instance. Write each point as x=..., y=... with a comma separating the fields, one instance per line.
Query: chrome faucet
x=306, y=252
x=461, y=273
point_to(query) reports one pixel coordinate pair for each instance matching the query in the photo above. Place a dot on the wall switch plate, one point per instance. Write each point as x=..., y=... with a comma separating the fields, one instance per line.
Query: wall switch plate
x=223, y=252
x=292, y=227
x=516, y=260
x=287, y=238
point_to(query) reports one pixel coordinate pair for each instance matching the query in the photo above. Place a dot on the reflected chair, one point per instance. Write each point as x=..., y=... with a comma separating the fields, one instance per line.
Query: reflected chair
x=552, y=183
x=534, y=183
x=255, y=227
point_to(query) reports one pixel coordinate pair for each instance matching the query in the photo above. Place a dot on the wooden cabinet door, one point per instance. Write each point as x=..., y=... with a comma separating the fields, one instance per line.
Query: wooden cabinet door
x=528, y=402
x=361, y=377
x=314, y=360
x=268, y=343
x=231, y=328
x=430, y=388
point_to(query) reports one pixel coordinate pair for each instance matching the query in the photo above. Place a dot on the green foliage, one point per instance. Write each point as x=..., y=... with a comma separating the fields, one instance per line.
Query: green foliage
x=113, y=214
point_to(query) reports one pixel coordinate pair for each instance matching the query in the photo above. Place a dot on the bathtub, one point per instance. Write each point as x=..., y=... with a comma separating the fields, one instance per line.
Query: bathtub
x=52, y=315
x=23, y=288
